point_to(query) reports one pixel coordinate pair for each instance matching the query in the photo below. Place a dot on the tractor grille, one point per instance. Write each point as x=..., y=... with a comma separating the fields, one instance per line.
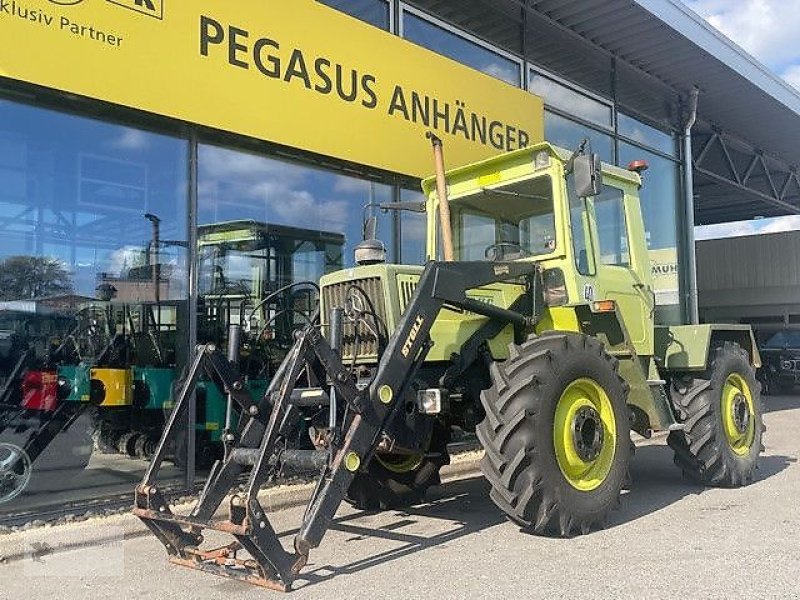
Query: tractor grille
x=407, y=285
x=365, y=344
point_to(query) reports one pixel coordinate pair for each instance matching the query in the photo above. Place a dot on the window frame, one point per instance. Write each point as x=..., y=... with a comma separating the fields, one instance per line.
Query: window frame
x=599, y=262
x=389, y=7
x=533, y=69
x=404, y=8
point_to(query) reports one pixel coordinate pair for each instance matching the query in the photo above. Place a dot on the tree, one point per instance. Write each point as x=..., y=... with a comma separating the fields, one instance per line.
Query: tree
x=28, y=277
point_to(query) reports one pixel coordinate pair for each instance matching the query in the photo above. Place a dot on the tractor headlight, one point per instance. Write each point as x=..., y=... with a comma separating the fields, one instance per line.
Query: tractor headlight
x=555, y=288
x=429, y=402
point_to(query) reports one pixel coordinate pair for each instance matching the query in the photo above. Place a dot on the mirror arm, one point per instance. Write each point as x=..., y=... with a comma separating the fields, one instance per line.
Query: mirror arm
x=410, y=206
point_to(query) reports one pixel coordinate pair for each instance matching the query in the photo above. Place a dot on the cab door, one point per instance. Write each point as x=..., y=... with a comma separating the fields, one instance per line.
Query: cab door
x=623, y=266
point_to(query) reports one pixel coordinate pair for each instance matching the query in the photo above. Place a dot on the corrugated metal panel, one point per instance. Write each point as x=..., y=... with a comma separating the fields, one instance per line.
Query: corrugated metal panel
x=750, y=262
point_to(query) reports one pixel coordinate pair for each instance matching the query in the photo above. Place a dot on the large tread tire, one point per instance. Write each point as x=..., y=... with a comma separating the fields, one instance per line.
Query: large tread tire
x=702, y=450
x=380, y=488
x=518, y=434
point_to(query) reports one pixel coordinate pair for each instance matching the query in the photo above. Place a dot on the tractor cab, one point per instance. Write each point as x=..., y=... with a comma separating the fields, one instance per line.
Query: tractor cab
x=581, y=221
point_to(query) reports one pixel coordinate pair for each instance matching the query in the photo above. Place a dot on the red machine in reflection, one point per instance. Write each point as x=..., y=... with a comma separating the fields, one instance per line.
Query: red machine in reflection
x=39, y=391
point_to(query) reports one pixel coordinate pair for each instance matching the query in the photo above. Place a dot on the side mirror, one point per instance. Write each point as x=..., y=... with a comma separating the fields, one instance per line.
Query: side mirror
x=588, y=178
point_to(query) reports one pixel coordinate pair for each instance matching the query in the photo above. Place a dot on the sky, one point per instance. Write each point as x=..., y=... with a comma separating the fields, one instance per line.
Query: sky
x=768, y=30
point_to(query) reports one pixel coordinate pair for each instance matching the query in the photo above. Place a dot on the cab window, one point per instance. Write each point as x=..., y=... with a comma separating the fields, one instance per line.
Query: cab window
x=612, y=229
x=581, y=233
x=507, y=222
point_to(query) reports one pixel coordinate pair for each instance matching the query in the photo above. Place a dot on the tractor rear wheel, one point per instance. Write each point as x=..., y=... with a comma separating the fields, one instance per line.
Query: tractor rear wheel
x=721, y=411
x=556, y=434
x=397, y=480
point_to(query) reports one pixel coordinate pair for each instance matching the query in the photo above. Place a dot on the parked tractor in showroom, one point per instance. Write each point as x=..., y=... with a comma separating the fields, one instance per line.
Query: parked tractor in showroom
x=532, y=323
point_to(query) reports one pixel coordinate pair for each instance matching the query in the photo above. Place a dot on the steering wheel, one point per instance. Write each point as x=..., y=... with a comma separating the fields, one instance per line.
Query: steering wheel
x=497, y=251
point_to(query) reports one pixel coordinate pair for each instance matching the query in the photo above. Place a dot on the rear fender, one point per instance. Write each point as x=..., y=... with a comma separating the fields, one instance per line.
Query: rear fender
x=648, y=403
x=687, y=347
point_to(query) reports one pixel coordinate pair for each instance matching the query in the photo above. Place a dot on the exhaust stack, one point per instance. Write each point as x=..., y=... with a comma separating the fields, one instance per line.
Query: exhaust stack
x=444, y=202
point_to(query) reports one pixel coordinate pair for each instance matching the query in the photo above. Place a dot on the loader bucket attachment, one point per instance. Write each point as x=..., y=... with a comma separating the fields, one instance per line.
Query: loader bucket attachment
x=255, y=449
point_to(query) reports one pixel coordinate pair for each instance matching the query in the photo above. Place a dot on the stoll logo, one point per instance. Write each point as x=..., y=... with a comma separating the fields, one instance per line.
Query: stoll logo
x=66, y=2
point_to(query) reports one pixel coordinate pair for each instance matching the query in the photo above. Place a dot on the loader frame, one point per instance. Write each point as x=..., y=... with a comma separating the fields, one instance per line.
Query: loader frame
x=256, y=445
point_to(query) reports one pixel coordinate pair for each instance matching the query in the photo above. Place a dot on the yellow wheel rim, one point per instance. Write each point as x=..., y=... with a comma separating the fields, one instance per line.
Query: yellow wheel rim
x=738, y=414
x=585, y=434
x=400, y=463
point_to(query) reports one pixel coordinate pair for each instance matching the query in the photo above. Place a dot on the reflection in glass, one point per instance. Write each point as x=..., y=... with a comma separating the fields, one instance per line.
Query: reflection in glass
x=458, y=48
x=269, y=229
x=580, y=227
x=374, y=12
x=93, y=283
x=568, y=100
x=659, y=200
x=645, y=134
x=412, y=230
x=659, y=196
x=612, y=230
x=569, y=134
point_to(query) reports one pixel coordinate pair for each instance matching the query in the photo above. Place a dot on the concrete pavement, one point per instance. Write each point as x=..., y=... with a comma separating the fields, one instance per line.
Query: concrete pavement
x=670, y=539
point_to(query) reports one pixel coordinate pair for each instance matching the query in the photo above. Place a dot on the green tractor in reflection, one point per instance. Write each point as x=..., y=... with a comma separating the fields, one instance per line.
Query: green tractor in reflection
x=254, y=275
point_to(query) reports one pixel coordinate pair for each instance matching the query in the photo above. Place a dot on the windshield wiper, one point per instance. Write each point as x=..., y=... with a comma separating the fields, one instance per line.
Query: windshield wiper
x=515, y=194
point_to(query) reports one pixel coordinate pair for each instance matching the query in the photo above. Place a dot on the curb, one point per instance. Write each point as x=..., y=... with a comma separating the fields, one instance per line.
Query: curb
x=45, y=541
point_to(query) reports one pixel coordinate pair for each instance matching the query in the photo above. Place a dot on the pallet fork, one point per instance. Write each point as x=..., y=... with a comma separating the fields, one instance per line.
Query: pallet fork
x=257, y=446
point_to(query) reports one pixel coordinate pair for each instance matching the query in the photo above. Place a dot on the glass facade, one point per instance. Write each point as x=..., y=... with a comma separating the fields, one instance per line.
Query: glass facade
x=434, y=36
x=642, y=133
x=235, y=185
x=92, y=302
x=569, y=134
x=374, y=12
x=95, y=277
x=565, y=98
x=659, y=200
x=412, y=230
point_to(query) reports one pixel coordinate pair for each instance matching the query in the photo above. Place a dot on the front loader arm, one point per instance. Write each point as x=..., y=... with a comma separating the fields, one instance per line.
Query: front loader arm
x=441, y=284
x=257, y=447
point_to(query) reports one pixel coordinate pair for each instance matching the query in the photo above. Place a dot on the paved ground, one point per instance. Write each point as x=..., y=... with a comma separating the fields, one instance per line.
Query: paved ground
x=670, y=539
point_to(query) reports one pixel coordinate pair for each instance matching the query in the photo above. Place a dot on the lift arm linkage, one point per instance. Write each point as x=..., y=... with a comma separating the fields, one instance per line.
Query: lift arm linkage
x=258, y=444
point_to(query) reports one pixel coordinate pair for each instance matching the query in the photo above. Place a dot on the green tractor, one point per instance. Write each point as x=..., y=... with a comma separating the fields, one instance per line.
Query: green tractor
x=253, y=276
x=531, y=323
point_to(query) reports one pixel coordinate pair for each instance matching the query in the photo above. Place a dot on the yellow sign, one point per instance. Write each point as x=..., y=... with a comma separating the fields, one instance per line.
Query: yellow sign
x=664, y=266
x=297, y=73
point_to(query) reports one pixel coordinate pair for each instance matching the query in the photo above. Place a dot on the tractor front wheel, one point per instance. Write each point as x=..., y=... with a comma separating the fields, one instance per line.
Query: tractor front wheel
x=721, y=413
x=397, y=480
x=556, y=434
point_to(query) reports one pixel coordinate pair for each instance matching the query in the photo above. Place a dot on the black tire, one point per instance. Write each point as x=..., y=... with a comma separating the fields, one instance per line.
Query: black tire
x=206, y=453
x=381, y=488
x=518, y=434
x=702, y=450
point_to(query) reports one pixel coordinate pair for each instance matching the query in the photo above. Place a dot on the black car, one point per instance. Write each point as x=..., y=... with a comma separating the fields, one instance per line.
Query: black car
x=780, y=357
